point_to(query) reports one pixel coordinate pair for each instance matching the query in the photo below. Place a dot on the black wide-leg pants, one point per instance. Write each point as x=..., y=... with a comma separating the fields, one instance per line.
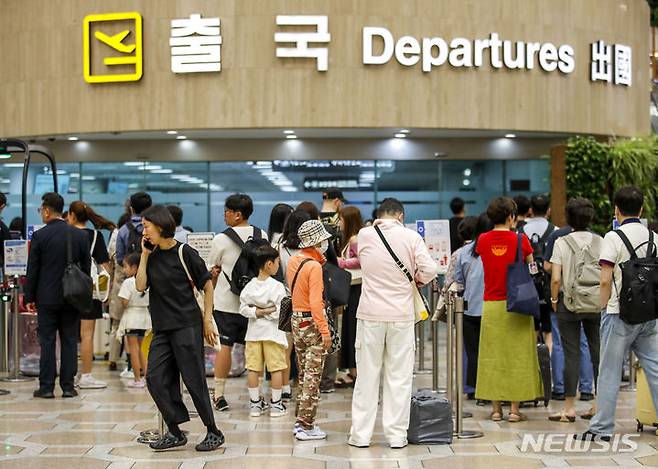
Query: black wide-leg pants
x=174, y=354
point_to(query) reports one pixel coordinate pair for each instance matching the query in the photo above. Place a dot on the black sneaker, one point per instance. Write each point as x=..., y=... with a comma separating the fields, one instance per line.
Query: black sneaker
x=168, y=441
x=586, y=396
x=211, y=442
x=590, y=436
x=286, y=396
x=328, y=390
x=220, y=403
x=69, y=393
x=43, y=394
x=558, y=396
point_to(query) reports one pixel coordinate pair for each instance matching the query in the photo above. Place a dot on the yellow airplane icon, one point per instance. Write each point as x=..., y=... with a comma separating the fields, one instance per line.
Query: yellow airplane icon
x=131, y=54
x=116, y=41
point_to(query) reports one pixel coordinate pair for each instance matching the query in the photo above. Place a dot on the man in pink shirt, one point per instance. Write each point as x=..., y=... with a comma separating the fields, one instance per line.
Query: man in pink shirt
x=385, y=331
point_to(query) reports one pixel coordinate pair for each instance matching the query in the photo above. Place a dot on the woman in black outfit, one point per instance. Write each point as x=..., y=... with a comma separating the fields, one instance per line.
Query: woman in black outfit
x=179, y=328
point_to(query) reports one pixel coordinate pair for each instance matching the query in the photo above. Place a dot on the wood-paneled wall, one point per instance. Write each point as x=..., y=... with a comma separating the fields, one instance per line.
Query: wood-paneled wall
x=42, y=90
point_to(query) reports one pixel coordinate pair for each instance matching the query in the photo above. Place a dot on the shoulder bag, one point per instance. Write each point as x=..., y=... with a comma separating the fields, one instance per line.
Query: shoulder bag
x=421, y=308
x=200, y=300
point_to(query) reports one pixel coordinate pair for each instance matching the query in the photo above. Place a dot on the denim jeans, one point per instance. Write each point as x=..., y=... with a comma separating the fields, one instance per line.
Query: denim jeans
x=586, y=375
x=617, y=338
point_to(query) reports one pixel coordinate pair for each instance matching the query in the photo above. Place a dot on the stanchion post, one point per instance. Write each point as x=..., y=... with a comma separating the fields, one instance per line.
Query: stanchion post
x=4, y=334
x=459, y=372
x=450, y=349
x=15, y=376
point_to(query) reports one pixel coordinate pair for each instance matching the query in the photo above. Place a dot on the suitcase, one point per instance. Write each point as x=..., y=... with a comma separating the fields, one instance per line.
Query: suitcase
x=645, y=412
x=545, y=372
x=430, y=421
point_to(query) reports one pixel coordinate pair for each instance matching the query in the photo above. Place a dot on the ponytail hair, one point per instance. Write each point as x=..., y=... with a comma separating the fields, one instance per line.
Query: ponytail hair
x=84, y=213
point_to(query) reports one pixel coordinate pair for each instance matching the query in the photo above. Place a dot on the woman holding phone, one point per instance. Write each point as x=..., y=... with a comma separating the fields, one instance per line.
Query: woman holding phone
x=179, y=328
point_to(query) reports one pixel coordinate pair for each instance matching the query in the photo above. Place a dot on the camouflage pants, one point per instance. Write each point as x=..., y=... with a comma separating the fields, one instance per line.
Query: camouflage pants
x=310, y=362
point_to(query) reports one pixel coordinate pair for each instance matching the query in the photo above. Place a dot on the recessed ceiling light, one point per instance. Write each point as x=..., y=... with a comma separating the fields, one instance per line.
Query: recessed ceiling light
x=181, y=137
x=162, y=171
x=73, y=139
x=13, y=165
x=172, y=132
x=291, y=137
x=5, y=156
x=133, y=163
x=400, y=135
x=510, y=135
x=288, y=132
x=404, y=131
x=88, y=178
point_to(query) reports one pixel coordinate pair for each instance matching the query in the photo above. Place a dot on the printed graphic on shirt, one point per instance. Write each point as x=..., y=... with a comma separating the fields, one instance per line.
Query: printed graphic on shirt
x=498, y=250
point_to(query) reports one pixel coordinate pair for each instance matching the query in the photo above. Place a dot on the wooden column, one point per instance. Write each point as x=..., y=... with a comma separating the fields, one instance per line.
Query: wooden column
x=558, y=185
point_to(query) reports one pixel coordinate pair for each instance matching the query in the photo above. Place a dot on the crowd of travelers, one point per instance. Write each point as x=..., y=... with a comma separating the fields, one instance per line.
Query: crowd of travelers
x=284, y=295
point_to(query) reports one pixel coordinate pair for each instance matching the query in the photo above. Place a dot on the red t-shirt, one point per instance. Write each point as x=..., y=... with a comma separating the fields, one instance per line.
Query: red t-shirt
x=498, y=250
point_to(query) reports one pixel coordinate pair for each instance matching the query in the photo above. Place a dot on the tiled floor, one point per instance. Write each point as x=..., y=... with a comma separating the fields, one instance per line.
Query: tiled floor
x=99, y=430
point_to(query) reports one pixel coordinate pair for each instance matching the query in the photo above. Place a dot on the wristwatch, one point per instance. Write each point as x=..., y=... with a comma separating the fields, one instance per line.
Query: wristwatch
x=554, y=301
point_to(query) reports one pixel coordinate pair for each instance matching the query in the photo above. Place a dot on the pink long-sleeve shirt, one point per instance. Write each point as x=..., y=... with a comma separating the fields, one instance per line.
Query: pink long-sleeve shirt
x=387, y=294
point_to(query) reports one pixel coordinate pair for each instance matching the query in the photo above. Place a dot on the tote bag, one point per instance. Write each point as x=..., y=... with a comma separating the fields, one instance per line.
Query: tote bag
x=522, y=297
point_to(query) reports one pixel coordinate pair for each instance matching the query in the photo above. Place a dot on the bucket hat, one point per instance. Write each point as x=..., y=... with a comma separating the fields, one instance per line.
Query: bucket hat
x=312, y=233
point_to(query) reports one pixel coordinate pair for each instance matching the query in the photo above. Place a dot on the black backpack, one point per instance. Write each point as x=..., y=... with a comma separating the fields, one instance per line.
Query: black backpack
x=134, y=238
x=639, y=277
x=244, y=269
x=542, y=278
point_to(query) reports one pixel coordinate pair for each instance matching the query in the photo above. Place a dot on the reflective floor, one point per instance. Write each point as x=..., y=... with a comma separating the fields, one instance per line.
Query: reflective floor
x=99, y=430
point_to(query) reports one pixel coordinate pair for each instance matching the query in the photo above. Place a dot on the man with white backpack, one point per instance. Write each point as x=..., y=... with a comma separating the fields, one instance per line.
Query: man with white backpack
x=575, y=297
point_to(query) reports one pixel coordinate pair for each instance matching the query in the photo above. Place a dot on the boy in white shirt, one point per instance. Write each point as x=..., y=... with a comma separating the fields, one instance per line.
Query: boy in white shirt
x=266, y=345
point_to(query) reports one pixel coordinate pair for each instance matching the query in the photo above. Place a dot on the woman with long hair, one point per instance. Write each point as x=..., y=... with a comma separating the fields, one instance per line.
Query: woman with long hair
x=277, y=220
x=172, y=271
x=79, y=215
x=350, y=223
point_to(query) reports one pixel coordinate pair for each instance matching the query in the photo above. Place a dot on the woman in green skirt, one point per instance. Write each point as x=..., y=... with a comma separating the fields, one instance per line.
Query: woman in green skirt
x=508, y=367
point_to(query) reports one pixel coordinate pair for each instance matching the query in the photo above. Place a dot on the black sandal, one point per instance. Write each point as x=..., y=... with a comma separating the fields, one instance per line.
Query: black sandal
x=168, y=441
x=211, y=442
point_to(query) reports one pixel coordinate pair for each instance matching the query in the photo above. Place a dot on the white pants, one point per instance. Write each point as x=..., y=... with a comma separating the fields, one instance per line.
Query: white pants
x=388, y=347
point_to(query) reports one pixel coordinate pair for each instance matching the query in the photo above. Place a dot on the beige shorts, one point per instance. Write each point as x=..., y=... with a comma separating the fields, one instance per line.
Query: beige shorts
x=259, y=355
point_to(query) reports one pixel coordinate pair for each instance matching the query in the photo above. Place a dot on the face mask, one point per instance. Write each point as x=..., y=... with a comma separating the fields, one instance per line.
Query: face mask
x=324, y=246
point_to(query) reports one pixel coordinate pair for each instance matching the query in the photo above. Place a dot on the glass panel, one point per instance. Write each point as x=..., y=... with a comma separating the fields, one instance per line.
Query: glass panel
x=476, y=181
x=528, y=177
x=39, y=181
x=108, y=186
x=414, y=183
x=291, y=182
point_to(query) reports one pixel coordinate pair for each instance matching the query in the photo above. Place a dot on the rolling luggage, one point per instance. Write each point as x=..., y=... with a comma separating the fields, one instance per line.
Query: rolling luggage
x=545, y=372
x=430, y=422
x=645, y=412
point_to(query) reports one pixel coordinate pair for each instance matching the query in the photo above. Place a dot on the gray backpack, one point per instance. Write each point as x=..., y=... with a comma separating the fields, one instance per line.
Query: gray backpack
x=583, y=293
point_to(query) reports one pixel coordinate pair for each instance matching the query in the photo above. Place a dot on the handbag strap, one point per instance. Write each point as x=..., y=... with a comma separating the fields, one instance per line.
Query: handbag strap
x=397, y=260
x=93, y=243
x=294, y=280
x=187, y=272
x=69, y=246
x=519, y=248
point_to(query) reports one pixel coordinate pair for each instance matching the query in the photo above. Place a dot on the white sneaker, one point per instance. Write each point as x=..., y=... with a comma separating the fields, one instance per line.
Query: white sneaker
x=314, y=434
x=141, y=384
x=127, y=374
x=257, y=408
x=296, y=428
x=89, y=382
x=277, y=409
